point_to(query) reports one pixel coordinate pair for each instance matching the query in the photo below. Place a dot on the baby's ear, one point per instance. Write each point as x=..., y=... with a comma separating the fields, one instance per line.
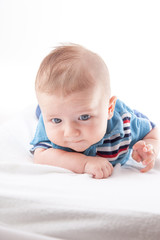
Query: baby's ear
x=112, y=103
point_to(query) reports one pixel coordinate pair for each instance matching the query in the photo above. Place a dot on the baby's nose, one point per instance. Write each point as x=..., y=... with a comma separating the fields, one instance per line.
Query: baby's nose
x=71, y=130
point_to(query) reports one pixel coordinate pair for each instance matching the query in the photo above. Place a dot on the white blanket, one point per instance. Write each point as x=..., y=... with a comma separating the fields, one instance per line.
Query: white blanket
x=54, y=202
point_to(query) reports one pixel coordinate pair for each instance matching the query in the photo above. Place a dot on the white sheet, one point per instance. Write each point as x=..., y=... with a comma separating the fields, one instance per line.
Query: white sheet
x=57, y=203
x=7, y=233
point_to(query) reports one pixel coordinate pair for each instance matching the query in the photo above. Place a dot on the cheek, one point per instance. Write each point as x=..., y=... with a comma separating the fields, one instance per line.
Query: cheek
x=102, y=127
x=52, y=133
x=96, y=131
x=100, y=130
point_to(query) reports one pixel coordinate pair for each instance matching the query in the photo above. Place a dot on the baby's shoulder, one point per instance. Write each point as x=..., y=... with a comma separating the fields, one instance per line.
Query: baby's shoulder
x=121, y=108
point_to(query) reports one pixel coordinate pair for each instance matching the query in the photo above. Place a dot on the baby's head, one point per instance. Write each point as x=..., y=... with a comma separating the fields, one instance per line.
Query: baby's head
x=73, y=91
x=72, y=68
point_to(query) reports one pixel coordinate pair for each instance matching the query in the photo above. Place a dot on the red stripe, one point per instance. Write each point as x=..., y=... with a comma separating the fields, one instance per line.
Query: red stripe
x=113, y=155
x=126, y=121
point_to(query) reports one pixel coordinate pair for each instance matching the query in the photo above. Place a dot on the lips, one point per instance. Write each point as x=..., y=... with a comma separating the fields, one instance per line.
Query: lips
x=70, y=141
x=77, y=141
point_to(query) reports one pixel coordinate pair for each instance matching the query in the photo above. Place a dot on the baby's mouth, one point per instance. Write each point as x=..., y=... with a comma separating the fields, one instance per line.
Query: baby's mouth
x=77, y=141
x=70, y=141
x=79, y=145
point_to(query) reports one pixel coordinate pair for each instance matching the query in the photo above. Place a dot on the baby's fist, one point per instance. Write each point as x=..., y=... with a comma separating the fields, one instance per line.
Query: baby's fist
x=98, y=167
x=144, y=153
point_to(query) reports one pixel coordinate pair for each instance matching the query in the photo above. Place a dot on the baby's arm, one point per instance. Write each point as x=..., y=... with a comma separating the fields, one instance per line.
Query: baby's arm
x=146, y=150
x=79, y=163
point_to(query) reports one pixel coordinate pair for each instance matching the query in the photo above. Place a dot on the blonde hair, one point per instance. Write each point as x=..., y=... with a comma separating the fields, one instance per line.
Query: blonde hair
x=71, y=68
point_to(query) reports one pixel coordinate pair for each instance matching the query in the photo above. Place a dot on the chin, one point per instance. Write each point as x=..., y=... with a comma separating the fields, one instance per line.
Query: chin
x=79, y=148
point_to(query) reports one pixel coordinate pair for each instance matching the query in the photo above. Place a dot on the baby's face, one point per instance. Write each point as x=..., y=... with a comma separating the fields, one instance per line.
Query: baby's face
x=76, y=121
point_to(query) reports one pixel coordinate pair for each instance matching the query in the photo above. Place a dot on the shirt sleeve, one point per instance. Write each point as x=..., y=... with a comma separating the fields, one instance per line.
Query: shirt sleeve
x=140, y=126
x=44, y=145
x=40, y=139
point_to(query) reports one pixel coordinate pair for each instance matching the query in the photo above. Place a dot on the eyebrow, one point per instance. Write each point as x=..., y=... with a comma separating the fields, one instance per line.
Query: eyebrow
x=91, y=109
x=82, y=111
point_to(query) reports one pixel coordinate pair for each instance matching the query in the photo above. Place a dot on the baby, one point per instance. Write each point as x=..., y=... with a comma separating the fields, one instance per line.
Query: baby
x=81, y=127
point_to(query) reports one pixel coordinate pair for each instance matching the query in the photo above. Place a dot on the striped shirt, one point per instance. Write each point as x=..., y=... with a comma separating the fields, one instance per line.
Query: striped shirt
x=124, y=129
x=116, y=146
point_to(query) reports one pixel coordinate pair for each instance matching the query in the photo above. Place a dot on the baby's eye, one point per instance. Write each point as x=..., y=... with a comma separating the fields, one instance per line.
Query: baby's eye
x=84, y=117
x=56, y=120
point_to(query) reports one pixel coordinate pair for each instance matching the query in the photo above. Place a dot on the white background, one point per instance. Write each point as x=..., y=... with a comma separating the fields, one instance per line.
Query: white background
x=124, y=32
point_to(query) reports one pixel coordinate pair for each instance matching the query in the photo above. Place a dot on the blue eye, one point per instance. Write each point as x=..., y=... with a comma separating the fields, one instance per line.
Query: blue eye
x=56, y=120
x=84, y=117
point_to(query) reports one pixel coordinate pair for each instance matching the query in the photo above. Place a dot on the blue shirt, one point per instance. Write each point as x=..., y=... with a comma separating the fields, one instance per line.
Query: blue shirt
x=124, y=129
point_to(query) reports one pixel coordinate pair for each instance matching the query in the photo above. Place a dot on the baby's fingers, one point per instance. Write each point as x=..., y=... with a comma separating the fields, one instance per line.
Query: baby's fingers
x=107, y=170
x=139, y=144
x=148, y=148
x=148, y=167
x=149, y=162
x=98, y=173
x=136, y=156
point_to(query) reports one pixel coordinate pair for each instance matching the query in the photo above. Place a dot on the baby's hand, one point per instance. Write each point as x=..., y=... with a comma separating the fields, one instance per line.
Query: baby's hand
x=144, y=153
x=99, y=167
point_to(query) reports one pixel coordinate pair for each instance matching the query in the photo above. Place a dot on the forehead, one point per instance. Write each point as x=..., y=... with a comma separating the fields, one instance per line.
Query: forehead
x=88, y=99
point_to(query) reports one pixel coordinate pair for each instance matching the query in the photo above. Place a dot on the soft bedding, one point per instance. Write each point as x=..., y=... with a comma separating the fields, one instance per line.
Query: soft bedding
x=45, y=202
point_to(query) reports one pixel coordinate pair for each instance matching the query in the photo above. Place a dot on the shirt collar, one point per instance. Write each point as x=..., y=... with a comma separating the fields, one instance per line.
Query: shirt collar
x=114, y=126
